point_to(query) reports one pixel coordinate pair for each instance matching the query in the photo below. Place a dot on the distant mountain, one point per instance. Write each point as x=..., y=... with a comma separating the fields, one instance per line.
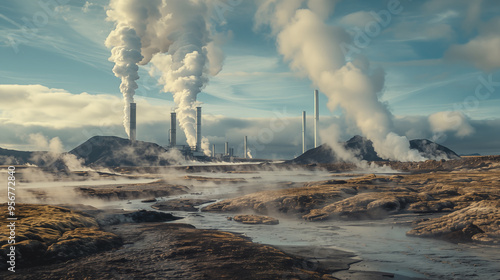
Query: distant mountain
x=432, y=150
x=14, y=157
x=116, y=151
x=38, y=158
x=363, y=149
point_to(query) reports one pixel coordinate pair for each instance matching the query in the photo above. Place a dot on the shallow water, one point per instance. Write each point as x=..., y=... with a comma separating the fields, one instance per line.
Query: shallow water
x=58, y=184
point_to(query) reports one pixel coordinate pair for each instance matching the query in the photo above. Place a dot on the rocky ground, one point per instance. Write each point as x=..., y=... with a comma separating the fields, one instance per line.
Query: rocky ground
x=45, y=234
x=84, y=244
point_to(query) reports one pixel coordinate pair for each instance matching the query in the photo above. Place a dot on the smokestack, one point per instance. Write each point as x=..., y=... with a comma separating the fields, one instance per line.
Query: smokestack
x=303, y=131
x=213, y=150
x=316, y=118
x=133, y=112
x=173, y=129
x=245, y=147
x=198, y=128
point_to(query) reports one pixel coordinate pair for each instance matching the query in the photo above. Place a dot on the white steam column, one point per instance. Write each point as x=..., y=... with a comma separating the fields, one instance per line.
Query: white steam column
x=245, y=147
x=173, y=129
x=316, y=118
x=304, y=131
x=133, y=132
x=198, y=128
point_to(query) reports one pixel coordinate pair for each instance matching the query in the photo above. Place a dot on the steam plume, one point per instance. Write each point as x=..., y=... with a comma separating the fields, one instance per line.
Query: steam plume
x=175, y=37
x=313, y=49
x=126, y=53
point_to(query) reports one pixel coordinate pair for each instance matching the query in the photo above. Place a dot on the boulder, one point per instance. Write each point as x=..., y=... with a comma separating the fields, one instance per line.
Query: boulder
x=256, y=219
x=181, y=204
x=478, y=222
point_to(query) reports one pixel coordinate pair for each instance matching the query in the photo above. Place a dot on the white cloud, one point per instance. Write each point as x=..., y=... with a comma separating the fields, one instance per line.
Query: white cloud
x=86, y=6
x=455, y=122
x=418, y=31
x=37, y=105
x=358, y=19
x=483, y=51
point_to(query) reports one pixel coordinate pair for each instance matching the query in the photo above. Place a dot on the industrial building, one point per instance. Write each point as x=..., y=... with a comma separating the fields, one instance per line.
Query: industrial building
x=228, y=155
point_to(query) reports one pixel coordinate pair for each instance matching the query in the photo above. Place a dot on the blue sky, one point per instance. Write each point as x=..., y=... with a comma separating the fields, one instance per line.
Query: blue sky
x=434, y=54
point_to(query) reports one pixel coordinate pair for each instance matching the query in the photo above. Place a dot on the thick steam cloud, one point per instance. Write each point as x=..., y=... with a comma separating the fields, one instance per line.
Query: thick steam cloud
x=126, y=54
x=313, y=49
x=175, y=36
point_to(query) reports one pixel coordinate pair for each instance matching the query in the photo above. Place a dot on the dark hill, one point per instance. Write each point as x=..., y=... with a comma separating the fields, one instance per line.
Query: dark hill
x=14, y=157
x=363, y=148
x=39, y=158
x=116, y=151
x=432, y=150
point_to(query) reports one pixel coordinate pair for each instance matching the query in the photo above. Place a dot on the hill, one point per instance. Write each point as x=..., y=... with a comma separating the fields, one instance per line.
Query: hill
x=363, y=149
x=116, y=151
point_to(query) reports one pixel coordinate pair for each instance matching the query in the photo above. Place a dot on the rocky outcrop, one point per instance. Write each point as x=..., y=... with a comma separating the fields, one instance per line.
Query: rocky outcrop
x=256, y=220
x=47, y=233
x=190, y=205
x=157, y=188
x=293, y=201
x=371, y=205
x=480, y=222
x=115, y=217
x=81, y=242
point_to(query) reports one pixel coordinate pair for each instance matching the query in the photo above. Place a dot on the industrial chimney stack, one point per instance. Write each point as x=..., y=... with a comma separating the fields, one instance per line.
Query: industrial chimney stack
x=173, y=129
x=198, y=128
x=304, y=132
x=132, y=121
x=316, y=118
x=245, y=149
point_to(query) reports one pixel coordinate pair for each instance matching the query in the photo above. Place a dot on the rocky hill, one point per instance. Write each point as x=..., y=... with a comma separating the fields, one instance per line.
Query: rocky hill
x=14, y=157
x=363, y=149
x=116, y=151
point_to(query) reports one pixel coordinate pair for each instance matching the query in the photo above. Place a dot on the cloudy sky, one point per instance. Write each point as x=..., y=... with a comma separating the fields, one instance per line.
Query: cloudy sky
x=441, y=60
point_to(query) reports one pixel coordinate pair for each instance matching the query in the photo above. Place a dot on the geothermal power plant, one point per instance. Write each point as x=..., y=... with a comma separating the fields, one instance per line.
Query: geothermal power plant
x=197, y=151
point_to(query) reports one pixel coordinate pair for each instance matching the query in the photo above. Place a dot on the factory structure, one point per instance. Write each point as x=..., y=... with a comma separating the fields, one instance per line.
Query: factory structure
x=228, y=154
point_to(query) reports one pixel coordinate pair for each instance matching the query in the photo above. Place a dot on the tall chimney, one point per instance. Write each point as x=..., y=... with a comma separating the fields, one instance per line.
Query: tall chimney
x=198, y=128
x=303, y=131
x=133, y=132
x=226, y=149
x=245, y=147
x=316, y=118
x=173, y=129
x=213, y=150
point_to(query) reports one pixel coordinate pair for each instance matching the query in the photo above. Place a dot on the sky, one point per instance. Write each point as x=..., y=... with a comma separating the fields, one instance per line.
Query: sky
x=440, y=60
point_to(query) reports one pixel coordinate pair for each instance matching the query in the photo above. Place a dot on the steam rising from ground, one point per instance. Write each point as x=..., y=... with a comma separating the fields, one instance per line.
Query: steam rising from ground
x=313, y=49
x=175, y=37
x=54, y=154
